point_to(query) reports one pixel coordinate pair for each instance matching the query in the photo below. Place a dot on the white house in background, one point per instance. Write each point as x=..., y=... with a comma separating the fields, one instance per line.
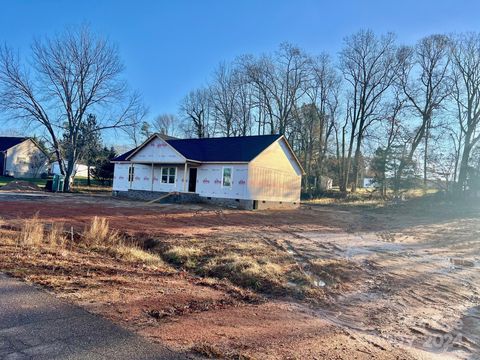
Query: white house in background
x=80, y=169
x=21, y=157
x=251, y=172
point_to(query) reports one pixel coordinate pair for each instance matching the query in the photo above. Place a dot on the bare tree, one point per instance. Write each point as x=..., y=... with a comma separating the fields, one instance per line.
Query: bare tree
x=279, y=81
x=465, y=57
x=223, y=98
x=245, y=103
x=369, y=66
x=71, y=75
x=137, y=128
x=394, y=131
x=323, y=89
x=424, y=79
x=195, y=109
x=167, y=124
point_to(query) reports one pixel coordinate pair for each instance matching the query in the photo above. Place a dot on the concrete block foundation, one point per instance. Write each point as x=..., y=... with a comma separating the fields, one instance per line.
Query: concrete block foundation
x=179, y=198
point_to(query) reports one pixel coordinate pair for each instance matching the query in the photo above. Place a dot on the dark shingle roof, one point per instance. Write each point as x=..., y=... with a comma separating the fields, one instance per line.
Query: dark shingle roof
x=124, y=156
x=6, y=142
x=241, y=149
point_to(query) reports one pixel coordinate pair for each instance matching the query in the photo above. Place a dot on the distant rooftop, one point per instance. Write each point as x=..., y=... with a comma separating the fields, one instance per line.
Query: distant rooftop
x=6, y=142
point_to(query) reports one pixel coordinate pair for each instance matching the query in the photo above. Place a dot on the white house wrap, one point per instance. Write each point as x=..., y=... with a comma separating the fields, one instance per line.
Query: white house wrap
x=250, y=172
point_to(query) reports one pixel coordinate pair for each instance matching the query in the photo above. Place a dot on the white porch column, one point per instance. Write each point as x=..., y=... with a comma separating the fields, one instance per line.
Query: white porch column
x=152, y=176
x=185, y=178
x=131, y=174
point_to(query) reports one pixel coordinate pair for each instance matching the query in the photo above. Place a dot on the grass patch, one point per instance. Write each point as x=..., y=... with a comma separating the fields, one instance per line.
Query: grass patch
x=187, y=257
x=368, y=198
x=258, y=274
x=246, y=262
x=334, y=271
x=135, y=254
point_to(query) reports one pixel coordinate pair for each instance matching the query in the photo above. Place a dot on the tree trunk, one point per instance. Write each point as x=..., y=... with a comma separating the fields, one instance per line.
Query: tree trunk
x=425, y=157
x=69, y=171
x=356, y=163
x=463, y=174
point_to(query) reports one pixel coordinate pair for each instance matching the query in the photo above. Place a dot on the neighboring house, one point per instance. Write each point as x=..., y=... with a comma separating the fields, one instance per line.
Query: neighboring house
x=80, y=170
x=251, y=172
x=21, y=157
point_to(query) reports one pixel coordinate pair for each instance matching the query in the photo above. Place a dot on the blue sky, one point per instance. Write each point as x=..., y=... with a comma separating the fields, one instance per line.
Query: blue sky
x=171, y=47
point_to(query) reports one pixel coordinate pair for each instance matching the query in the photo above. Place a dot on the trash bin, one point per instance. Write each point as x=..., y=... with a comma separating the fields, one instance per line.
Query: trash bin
x=49, y=185
x=58, y=181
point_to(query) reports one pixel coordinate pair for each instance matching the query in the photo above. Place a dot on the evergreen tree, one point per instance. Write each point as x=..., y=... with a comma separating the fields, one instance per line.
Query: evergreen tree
x=104, y=168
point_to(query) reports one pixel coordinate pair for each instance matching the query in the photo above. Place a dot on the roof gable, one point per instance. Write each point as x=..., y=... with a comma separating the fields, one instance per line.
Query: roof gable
x=7, y=142
x=155, y=149
x=123, y=157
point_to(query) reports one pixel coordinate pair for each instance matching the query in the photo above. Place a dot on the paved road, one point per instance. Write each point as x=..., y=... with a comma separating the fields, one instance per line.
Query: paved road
x=36, y=325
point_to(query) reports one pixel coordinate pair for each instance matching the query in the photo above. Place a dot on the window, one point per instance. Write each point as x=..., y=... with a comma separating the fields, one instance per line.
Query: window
x=168, y=175
x=227, y=177
x=131, y=173
x=22, y=160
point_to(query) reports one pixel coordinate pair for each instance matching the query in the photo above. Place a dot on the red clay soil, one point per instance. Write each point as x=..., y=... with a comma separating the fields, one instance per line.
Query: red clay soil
x=156, y=220
x=422, y=269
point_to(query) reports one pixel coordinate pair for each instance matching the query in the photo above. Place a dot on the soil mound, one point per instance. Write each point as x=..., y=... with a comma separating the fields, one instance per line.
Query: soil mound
x=20, y=185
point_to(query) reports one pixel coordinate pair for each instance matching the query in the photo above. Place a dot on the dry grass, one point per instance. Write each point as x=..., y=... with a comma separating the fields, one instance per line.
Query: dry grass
x=187, y=257
x=56, y=237
x=32, y=233
x=246, y=262
x=97, y=236
x=134, y=254
x=335, y=271
x=369, y=198
x=247, y=271
x=98, y=233
x=210, y=351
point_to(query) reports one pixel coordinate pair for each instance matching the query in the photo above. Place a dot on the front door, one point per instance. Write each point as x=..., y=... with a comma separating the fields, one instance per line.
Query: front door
x=192, y=180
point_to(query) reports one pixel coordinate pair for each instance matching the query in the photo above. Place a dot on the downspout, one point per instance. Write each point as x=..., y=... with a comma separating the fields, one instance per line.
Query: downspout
x=4, y=162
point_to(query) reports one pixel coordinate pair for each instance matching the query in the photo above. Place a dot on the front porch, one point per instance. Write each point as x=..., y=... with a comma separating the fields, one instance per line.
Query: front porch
x=163, y=177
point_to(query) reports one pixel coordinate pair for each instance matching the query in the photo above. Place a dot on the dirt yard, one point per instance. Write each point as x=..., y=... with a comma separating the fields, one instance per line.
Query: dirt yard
x=321, y=282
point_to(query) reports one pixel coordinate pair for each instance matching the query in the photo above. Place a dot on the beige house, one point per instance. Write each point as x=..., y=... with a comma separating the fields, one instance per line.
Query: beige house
x=21, y=157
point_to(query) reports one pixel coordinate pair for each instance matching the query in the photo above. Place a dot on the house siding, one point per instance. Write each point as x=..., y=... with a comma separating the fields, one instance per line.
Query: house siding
x=157, y=151
x=120, y=177
x=142, y=179
x=25, y=160
x=209, y=181
x=275, y=175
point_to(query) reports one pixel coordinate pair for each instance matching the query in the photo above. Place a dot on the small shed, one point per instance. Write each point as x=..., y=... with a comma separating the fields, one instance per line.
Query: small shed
x=21, y=157
x=250, y=172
